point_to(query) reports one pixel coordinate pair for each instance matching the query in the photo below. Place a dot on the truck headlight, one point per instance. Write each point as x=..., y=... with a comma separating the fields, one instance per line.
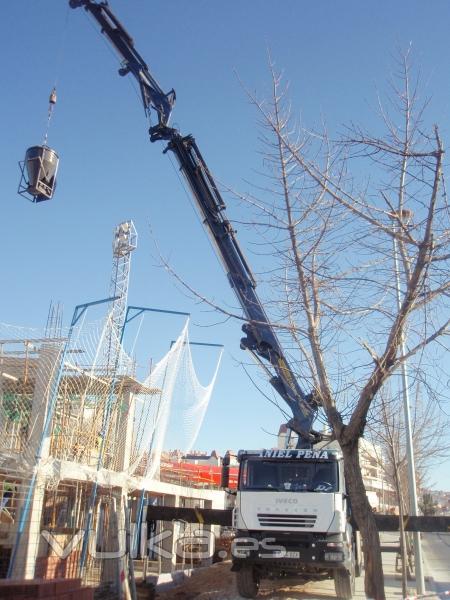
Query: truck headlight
x=334, y=556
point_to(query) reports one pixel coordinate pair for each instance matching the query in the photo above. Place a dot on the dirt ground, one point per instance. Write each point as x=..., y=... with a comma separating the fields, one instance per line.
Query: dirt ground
x=218, y=583
x=215, y=582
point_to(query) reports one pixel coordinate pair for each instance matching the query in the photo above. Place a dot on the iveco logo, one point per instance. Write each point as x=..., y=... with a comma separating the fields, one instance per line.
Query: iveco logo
x=286, y=501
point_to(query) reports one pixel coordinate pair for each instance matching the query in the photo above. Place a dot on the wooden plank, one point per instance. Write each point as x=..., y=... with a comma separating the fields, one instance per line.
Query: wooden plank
x=395, y=549
x=430, y=524
x=207, y=516
x=212, y=516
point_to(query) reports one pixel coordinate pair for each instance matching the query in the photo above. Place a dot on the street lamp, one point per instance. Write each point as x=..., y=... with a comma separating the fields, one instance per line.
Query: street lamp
x=404, y=217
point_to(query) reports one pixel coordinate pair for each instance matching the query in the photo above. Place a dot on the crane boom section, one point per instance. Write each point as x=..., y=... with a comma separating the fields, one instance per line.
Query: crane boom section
x=151, y=93
x=260, y=338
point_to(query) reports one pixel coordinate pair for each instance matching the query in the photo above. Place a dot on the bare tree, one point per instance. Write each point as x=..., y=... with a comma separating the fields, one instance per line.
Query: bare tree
x=386, y=429
x=325, y=215
x=388, y=433
x=328, y=214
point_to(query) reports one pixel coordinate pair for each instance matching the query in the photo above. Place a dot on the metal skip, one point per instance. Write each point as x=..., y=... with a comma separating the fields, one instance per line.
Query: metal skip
x=40, y=166
x=39, y=173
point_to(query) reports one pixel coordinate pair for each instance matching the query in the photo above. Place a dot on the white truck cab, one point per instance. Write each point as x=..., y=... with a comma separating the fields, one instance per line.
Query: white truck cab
x=291, y=520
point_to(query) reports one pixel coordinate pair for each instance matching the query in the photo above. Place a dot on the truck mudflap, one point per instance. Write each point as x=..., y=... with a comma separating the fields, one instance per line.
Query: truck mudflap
x=308, y=553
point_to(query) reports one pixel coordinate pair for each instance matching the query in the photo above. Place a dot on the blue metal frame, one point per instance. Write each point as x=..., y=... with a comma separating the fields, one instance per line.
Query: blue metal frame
x=138, y=310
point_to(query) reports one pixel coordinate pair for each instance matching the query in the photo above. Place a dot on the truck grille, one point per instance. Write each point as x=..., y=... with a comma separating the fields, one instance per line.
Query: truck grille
x=277, y=520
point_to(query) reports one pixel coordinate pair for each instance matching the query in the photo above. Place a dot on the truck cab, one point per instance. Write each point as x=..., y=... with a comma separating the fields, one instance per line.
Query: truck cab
x=291, y=520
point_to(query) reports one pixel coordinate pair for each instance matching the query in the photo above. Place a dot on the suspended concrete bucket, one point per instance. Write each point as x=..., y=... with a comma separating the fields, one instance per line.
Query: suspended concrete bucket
x=38, y=170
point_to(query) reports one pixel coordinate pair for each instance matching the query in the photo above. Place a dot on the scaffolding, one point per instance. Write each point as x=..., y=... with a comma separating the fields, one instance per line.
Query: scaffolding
x=78, y=439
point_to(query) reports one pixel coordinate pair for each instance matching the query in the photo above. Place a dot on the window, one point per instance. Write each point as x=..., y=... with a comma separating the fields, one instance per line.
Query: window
x=276, y=475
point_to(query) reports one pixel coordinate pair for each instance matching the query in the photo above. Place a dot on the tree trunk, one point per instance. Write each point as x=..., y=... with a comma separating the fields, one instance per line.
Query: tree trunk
x=363, y=515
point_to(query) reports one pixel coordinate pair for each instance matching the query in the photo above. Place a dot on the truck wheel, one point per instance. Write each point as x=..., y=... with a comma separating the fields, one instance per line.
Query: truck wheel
x=247, y=582
x=344, y=583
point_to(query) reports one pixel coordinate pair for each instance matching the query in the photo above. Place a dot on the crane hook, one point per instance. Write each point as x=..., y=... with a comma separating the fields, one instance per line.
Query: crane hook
x=52, y=99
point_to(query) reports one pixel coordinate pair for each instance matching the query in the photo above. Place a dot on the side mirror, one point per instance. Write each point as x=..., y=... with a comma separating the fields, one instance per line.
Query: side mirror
x=225, y=475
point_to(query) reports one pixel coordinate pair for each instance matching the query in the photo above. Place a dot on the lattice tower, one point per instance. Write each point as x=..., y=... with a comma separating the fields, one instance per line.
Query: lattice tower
x=124, y=242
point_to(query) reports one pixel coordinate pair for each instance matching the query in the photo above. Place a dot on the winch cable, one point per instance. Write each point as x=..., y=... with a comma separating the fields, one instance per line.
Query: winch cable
x=59, y=61
x=51, y=103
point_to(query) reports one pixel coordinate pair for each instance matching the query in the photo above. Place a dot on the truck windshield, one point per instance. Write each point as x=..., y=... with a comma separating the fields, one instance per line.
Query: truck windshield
x=276, y=475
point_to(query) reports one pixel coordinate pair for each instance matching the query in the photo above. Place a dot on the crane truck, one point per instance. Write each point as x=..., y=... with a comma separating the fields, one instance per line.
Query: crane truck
x=291, y=514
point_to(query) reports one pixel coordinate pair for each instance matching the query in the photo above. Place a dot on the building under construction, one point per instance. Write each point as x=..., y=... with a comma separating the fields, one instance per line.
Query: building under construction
x=81, y=439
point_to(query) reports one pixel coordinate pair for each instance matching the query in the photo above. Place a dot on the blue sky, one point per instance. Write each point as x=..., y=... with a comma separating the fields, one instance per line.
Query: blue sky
x=335, y=56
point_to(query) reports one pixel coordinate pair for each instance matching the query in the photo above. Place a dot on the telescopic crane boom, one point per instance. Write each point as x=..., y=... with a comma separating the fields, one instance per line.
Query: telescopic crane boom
x=260, y=338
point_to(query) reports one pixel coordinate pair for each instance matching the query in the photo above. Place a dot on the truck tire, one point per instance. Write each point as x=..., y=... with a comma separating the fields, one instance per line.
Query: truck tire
x=247, y=582
x=344, y=583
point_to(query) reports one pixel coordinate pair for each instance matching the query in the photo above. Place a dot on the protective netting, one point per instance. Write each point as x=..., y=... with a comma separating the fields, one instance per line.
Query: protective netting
x=190, y=402
x=74, y=416
x=71, y=408
x=29, y=363
x=90, y=412
x=29, y=367
x=172, y=397
x=102, y=417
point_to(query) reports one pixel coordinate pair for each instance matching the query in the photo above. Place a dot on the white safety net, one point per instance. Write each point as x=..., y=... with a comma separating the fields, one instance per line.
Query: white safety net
x=171, y=398
x=74, y=418
x=102, y=416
